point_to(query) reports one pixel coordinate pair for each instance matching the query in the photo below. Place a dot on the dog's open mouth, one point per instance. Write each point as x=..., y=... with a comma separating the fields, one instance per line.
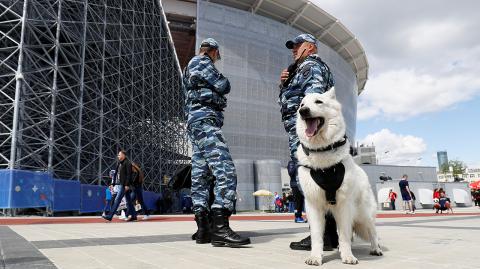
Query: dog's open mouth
x=313, y=126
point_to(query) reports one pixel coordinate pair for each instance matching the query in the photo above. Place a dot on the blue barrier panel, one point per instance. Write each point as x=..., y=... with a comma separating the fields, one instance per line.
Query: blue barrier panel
x=150, y=199
x=66, y=195
x=5, y=188
x=26, y=189
x=92, y=198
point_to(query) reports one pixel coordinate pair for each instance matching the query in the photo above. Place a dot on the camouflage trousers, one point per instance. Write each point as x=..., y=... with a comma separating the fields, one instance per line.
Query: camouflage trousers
x=211, y=154
x=293, y=143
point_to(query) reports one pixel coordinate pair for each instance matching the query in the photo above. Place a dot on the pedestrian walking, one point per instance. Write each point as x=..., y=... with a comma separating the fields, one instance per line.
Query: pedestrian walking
x=406, y=195
x=123, y=175
x=137, y=190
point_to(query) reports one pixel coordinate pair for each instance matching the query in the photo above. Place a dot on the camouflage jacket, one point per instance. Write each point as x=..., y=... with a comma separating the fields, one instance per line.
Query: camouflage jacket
x=311, y=76
x=205, y=89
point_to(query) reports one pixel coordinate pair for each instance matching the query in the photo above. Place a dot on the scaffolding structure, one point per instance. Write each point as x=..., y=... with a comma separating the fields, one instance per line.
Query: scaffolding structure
x=81, y=79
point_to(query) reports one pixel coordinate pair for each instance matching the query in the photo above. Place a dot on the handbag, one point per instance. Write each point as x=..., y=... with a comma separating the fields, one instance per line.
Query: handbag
x=386, y=204
x=182, y=178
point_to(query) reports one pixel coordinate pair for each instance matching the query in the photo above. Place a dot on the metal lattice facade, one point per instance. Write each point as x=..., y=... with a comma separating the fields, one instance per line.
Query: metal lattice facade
x=81, y=79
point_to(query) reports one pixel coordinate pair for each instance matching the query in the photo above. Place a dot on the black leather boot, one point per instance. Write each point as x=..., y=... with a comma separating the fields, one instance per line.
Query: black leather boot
x=202, y=236
x=306, y=244
x=222, y=234
x=330, y=237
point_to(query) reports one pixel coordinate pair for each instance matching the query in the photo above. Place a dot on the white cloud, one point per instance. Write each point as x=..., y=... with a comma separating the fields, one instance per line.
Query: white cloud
x=433, y=34
x=423, y=56
x=401, y=94
x=396, y=149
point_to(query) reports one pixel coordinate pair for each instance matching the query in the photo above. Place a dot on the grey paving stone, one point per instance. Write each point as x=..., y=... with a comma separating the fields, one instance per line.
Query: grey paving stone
x=16, y=252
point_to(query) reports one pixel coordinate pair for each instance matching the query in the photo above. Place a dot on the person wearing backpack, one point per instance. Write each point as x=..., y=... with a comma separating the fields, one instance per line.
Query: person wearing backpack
x=137, y=193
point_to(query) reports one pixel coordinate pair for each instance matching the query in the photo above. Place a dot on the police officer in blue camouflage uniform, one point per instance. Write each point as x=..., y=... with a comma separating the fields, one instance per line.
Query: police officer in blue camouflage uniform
x=205, y=90
x=308, y=74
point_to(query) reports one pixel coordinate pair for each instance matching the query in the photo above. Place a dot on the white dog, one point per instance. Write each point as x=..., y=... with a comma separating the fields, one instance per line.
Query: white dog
x=330, y=179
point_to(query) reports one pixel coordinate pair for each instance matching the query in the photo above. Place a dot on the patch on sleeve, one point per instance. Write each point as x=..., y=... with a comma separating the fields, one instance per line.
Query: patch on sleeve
x=306, y=71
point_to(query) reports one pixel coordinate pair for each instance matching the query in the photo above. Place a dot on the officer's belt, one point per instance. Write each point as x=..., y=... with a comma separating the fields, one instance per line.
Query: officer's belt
x=210, y=105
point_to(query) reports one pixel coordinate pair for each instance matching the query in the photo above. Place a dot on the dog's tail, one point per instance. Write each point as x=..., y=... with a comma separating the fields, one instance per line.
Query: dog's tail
x=361, y=231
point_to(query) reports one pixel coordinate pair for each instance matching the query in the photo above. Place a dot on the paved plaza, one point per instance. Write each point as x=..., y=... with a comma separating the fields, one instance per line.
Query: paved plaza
x=424, y=240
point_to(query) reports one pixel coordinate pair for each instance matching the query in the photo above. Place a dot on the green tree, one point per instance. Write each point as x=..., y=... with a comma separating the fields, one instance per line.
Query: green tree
x=458, y=168
x=444, y=169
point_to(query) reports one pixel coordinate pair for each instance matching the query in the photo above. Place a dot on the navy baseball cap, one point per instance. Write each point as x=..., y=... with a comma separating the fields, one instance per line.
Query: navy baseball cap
x=300, y=39
x=211, y=43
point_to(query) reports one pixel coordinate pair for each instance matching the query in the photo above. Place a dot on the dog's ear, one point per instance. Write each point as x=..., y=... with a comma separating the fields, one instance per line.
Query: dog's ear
x=331, y=93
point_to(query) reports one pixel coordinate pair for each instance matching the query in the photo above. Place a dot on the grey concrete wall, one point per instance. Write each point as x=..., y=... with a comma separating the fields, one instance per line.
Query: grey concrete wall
x=245, y=184
x=267, y=177
x=416, y=186
x=415, y=173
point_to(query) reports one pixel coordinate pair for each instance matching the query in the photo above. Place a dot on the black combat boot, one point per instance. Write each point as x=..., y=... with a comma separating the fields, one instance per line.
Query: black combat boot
x=330, y=237
x=222, y=234
x=202, y=236
x=194, y=236
x=210, y=221
x=306, y=244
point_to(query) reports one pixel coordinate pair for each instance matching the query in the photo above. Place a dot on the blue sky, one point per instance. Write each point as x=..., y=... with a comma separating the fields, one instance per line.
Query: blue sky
x=423, y=92
x=456, y=130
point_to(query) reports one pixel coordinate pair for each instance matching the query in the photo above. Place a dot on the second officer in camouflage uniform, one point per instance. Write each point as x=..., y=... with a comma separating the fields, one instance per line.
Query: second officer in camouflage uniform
x=309, y=74
x=205, y=91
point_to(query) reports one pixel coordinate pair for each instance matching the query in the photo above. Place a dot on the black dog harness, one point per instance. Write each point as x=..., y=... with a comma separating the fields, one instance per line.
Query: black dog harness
x=329, y=179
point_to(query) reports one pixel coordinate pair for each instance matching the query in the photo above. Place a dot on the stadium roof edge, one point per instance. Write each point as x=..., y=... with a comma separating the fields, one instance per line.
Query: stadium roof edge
x=308, y=17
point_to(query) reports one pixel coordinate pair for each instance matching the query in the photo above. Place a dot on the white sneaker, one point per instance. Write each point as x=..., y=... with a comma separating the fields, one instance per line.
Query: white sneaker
x=146, y=217
x=122, y=216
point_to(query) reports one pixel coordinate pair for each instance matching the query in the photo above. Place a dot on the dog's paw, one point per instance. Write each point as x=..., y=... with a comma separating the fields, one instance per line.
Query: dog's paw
x=349, y=259
x=314, y=260
x=376, y=252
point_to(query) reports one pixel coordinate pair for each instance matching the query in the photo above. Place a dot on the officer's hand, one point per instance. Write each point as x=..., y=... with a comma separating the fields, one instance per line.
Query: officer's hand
x=284, y=75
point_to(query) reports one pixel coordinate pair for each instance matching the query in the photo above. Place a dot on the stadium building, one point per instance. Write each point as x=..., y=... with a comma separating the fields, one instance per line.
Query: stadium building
x=252, y=36
x=81, y=79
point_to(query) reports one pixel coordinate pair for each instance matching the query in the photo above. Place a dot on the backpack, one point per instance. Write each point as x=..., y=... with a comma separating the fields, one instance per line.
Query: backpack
x=140, y=177
x=279, y=203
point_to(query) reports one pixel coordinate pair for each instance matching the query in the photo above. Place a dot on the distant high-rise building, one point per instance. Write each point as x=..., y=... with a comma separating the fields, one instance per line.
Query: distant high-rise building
x=442, y=158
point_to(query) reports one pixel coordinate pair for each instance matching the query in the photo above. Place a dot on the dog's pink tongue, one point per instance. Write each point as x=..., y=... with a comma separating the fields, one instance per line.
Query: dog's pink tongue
x=312, y=125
